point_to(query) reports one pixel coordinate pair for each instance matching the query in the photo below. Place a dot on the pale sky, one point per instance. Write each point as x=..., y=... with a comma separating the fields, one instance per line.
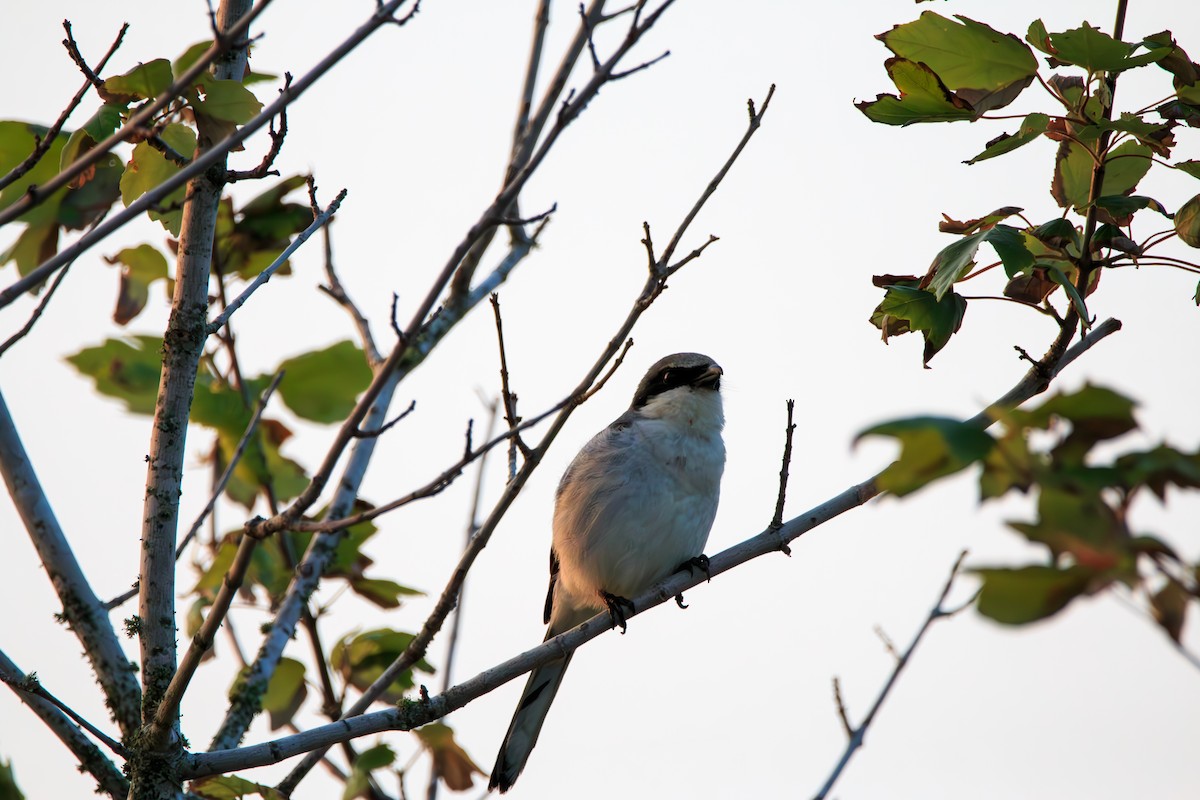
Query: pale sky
x=731, y=697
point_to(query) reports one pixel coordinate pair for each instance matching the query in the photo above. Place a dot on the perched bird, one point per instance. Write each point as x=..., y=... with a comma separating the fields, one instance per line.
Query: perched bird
x=633, y=507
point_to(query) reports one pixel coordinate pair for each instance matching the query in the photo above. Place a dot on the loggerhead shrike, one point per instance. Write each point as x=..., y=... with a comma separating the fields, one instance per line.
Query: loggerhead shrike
x=634, y=506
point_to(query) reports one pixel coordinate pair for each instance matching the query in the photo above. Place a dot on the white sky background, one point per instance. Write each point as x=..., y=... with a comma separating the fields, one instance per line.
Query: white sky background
x=732, y=697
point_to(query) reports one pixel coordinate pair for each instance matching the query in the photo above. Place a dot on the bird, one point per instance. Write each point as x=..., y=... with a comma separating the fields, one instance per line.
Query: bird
x=634, y=506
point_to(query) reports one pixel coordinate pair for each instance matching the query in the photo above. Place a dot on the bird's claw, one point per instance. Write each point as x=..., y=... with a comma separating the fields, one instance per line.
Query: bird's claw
x=679, y=600
x=616, y=609
x=700, y=562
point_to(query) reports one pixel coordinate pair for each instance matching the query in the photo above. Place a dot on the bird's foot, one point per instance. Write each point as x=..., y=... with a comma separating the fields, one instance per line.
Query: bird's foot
x=617, y=606
x=700, y=562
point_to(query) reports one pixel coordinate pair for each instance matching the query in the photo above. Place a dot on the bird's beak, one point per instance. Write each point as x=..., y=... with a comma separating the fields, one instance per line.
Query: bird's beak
x=710, y=378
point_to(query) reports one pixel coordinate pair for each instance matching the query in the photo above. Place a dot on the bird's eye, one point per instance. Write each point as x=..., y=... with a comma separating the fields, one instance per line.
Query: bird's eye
x=666, y=376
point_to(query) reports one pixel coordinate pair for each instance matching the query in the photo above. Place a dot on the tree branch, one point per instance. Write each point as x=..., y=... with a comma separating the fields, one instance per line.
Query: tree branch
x=44, y=142
x=91, y=759
x=81, y=608
x=266, y=274
x=137, y=122
x=183, y=344
x=217, y=152
x=856, y=734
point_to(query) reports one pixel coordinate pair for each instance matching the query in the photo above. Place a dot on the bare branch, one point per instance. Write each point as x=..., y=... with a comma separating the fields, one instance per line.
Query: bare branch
x=777, y=520
x=198, y=166
x=44, y=143
x=37, y=312
x=755, y=122
x=138, y=121
x=277, y=137
x=361, y=434
x=91, y=759
x=266, y=274
x=183, y=344
x=81, y=608
x=31, y=685
x=857, y=734
x=507, y=396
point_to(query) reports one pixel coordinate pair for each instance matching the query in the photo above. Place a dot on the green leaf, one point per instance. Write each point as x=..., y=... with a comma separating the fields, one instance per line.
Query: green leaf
x=268, y=201
x=1156, y=136
x=189, y=57
x=38, y=242
x=1027, y=594
x=1038, y=37
x=1096, y=51
x=143, y=82
x=381, y=592
x=1057, y=233
x=1187, y=222
x=957, y=259
x=450, y=761
x=285, y=692
x=126, y=369
x=930, y=448
x=1125, y=166
x=1095, y=413
x=17, y=141
x=1076, y=521
x=377, y=757
x=1190, y=167
x=1170, y=605
x=363, y=658
x=227, y=100
x=1159, y=468
x=148, y=168
x=1009, y=465
x=322, y=385
x=1060, y=277
x=1031, y=128
x=919, y=310
x=358, y=782
x=231, y=787
x=8, y=783
x=1122, y=206
x=967, y=55
x=141, y=266
x=923, y=98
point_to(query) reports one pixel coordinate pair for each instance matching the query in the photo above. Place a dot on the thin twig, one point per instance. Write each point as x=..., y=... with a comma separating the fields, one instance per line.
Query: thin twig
x=266, y=274
x=857, y=733
x=91, y=759
x=277, y=137
x=337, y=291
x=138, y=122
x=777, y=520
x=507, y=395
x=33, y=686
x=43, y=143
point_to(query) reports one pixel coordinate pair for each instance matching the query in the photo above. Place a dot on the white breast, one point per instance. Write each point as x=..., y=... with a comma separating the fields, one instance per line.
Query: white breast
x=640, y=498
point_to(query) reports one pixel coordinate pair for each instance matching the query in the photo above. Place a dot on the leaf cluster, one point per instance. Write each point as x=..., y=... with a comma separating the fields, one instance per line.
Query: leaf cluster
x=949, y=70
x=1083, y=501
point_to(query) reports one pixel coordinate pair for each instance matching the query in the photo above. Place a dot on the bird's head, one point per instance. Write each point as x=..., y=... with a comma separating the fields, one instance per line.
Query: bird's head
x=682, y=384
